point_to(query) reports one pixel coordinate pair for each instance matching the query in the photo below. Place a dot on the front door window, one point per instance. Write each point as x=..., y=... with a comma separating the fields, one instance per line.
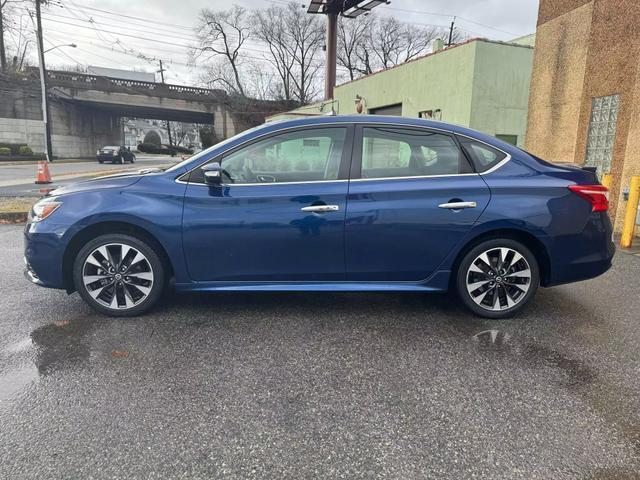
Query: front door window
x=301, y=156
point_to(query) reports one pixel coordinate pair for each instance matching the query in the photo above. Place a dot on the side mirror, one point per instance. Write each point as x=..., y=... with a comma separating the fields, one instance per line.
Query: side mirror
x=212, y=174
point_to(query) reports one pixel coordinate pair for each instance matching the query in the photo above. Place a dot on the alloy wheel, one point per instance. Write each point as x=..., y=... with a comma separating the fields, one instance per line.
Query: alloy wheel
x=498, y=279
x=117, y=276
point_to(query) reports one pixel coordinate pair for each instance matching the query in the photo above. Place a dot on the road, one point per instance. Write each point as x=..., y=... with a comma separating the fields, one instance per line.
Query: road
x=18, y=179
x=320, y=385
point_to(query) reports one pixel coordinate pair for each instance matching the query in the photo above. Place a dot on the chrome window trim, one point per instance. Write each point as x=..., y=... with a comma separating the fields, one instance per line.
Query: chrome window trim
x=266, y=183
x=363, y=122
x=416, y=177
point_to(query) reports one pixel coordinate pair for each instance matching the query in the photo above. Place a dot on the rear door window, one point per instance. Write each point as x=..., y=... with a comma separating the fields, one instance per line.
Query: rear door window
x=393, y=153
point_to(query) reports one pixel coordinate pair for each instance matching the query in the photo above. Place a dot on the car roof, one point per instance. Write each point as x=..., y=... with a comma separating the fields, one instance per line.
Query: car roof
x=384, y=120
x=324, y=120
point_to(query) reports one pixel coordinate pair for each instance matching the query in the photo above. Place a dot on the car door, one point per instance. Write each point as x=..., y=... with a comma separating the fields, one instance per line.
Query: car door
x=412, y=198
x=279, y=214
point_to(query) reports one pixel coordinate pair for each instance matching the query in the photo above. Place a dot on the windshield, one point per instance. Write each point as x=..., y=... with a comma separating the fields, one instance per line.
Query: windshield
x=204, y=153
x=110, y=148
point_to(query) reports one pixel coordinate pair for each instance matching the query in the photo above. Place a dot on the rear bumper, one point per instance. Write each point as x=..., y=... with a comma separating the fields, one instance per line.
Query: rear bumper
x=107, y=158
x=582, y=256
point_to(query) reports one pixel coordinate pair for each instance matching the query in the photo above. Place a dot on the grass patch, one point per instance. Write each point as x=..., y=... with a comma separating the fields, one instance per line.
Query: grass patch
x=18, y=204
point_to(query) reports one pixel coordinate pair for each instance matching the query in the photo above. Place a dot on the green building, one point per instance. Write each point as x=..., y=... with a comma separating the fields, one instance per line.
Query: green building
x=480, y=84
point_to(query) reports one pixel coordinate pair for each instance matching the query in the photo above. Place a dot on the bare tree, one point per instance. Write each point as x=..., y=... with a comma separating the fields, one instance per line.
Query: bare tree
x=270, y=27
x=294, y=41
x=367, y=44
x=16, y=35
x=386, y=41
x=418, y=40
x=306, y=38
x=221, y=36
x=353, y=53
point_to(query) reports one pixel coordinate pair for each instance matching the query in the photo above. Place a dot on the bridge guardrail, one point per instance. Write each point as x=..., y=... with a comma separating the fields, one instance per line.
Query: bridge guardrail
x=82, y=80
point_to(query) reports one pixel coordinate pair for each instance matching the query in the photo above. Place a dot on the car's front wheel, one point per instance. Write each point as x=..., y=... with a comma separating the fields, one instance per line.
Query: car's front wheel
x=497, y=278
x=119, y=275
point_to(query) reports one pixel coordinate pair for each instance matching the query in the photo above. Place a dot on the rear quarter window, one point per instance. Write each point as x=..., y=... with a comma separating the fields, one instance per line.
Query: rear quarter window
x=483, y=156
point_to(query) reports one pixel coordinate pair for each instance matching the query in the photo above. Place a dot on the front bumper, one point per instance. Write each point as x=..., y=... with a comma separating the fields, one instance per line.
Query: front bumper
x=44, y=246
x=30, y=274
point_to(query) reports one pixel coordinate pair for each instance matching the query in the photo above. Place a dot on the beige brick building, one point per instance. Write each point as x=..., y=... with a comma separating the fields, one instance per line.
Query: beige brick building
x=584, y=105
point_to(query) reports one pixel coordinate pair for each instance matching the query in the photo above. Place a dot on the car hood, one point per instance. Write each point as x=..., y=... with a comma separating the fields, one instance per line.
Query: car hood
x=119, y=180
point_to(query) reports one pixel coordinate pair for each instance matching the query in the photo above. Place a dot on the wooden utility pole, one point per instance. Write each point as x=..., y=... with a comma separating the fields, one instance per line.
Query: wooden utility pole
x=453, y=23
x=330, y=64
x=3, y=53
x=333, y=8
x=43, y=85
x=161, y=71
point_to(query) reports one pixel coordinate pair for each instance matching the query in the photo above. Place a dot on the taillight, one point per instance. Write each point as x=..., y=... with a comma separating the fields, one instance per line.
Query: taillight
x=596, y=195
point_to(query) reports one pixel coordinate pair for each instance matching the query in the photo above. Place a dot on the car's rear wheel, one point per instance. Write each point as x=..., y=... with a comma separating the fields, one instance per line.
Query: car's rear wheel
x=497, y=278
x=119, y=275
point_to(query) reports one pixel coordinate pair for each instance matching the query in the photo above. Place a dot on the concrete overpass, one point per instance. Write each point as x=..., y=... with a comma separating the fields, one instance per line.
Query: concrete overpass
x=86, y=110
x=131, y=98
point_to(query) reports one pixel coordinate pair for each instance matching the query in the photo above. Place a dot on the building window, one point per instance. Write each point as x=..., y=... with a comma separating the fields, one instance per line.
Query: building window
x=431, y=114
x=393, y=110
x=602, y=132
x=510, y=139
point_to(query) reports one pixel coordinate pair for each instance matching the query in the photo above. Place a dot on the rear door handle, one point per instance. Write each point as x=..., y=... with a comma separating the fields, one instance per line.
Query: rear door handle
x=321, y=208
x=458, y=205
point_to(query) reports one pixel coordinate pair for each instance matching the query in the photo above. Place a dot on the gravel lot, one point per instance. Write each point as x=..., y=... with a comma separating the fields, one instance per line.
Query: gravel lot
x=320, y=385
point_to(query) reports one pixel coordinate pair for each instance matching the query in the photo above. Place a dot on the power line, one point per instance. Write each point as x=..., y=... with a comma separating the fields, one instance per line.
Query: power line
x=94, y=22
x=189, y=47
x=438, y=14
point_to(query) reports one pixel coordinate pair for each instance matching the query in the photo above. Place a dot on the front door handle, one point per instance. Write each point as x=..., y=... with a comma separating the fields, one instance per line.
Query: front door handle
x=458, y=205
x=321, y=208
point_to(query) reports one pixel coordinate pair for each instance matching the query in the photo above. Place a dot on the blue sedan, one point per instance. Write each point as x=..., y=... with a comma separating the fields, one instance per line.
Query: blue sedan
x=360, y=203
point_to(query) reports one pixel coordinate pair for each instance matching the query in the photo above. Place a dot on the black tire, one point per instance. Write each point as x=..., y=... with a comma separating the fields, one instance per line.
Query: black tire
x=507, y=284
x=100, y=162
x=156, y=267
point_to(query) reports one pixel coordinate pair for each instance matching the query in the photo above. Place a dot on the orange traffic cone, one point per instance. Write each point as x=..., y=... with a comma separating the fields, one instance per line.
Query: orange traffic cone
x=43, y=175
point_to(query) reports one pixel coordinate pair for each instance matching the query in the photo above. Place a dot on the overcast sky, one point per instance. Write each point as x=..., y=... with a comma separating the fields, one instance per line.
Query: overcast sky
x=495, y=19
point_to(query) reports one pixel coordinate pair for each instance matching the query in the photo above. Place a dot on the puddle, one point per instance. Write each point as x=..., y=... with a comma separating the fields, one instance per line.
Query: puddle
x=19, y=346
x=60, y=345
x=491, y=338
x=576, y=372
x=16, y=380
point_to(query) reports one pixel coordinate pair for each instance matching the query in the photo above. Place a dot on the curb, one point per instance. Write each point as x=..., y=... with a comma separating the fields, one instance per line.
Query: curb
x=13, y=217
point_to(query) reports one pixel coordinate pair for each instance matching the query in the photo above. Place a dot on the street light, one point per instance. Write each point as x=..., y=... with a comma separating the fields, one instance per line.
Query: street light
x=72, y=45
x=333, y=8
x=46, y=118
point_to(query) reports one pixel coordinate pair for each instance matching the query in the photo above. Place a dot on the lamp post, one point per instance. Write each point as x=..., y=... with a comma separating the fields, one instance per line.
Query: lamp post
x=333, y=8
x=72, y=45
x=43, y=82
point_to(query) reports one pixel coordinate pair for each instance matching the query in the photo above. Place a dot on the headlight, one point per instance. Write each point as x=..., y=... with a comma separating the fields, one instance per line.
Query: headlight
x=98, y=152
x=115, y=153
x=43, y=209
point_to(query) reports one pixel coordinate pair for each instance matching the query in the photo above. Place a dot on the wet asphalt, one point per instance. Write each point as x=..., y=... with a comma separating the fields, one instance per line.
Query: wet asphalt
x=320, y=385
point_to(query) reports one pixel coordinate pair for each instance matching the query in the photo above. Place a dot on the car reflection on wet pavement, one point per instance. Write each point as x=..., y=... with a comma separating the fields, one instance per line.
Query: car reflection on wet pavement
x=320, y=385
